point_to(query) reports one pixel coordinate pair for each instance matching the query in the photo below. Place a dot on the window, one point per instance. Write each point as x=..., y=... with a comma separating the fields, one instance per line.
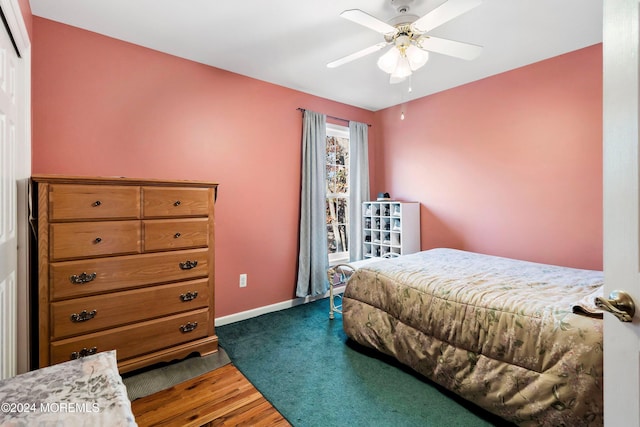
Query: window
x=337, y=205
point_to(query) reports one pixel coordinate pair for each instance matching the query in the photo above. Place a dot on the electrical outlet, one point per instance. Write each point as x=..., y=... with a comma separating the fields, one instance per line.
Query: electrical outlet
x=243, y=280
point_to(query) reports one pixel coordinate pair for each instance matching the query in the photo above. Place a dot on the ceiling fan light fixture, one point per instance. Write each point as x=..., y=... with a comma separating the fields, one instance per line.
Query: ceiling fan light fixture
x=389, y=61
x=401, y=72
x=417, y=57
x=400, y=61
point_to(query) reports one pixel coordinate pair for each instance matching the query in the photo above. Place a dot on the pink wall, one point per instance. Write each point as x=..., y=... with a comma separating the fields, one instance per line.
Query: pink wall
x=510, y=165
x=105, y=107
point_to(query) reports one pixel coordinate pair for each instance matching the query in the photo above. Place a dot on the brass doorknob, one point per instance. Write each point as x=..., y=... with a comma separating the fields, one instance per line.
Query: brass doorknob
x=619, y=303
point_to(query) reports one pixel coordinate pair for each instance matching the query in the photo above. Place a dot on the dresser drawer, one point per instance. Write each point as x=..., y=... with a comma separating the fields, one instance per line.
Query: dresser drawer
x=88, y=239
x=175, y=234
x=79, y=202
x=123, y=263
x=137, y=339
x=161, y=202
x=71, y=279
x=89, y=314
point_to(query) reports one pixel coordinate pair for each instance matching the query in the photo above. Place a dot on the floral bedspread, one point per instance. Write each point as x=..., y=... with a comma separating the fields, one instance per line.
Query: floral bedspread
x=84, y=392
x=499, y=332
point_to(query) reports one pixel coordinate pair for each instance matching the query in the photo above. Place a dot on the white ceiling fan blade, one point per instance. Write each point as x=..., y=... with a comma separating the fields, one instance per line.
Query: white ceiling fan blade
x=449, y=47
x=443, y=13
x=363, y=18
x=356, y=55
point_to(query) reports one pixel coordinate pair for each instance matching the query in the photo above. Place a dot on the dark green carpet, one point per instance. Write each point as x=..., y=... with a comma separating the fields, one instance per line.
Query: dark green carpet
x=303, y=363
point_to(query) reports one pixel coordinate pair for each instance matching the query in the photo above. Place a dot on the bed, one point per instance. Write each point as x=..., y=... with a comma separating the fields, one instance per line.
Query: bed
x=84, y=392
x=519, y=339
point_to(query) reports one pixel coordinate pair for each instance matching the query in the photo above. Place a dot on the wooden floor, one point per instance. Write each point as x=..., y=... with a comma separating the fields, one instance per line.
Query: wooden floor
x=222, y=397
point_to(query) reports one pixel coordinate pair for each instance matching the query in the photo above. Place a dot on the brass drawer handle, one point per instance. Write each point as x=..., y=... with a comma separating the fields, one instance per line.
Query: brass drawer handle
x=84, y=352
x=190, y=326
x=176, y=203
x=82, y=278
x=98, y=240
x=176, y=235
x=83, y=316
x=189, y=296
x=188, y=265
x=96, y=203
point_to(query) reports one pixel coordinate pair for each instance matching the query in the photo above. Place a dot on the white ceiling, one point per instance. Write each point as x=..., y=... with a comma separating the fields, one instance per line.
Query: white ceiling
x=289, y=42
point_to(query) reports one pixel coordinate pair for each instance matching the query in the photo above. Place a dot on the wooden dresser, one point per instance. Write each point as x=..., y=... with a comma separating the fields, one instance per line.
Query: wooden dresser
x=124, y=264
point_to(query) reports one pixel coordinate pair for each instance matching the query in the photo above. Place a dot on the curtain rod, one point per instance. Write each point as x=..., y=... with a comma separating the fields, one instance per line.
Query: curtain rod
x=331, y=117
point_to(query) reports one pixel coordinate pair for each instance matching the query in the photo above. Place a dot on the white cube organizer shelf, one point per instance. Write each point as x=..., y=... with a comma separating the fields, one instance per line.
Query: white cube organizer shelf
x=390, y=227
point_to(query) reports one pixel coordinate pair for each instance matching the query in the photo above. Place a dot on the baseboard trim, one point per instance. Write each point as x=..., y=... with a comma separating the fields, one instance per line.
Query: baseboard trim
x=244, y=315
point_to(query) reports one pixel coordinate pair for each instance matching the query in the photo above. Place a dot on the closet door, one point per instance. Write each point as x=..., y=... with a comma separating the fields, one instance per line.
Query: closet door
x=14, y=173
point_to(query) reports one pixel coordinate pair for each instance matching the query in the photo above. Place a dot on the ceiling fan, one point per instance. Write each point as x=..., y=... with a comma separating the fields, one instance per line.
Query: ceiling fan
x=408, y=35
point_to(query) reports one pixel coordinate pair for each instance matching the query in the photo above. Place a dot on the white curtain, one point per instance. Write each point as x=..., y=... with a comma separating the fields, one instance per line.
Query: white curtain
x=313, y=259
x=358, y=184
